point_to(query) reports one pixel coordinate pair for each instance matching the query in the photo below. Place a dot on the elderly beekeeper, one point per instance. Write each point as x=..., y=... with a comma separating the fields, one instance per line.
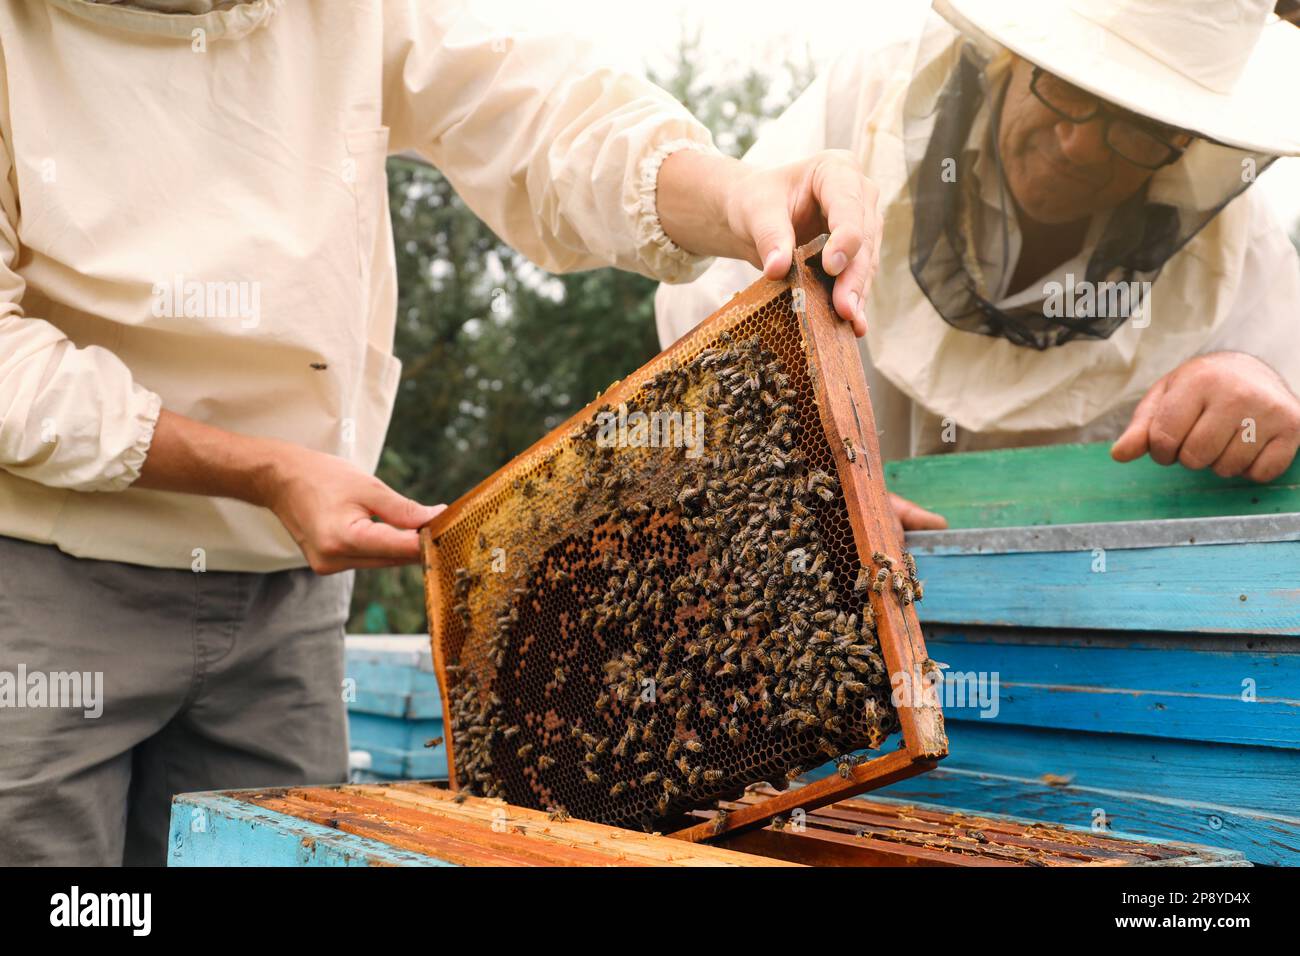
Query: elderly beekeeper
x=196, y=371
x=1071, y=248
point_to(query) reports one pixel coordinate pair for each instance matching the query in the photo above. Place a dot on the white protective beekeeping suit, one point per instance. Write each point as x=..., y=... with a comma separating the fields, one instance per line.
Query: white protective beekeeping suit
x=1234, y=286
x=194, y=215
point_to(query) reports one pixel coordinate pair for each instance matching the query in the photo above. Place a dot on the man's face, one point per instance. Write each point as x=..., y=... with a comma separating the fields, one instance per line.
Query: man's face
x=1059, y=171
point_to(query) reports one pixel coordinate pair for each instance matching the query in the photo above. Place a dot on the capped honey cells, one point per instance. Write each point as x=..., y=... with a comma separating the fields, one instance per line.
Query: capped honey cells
x=665, y=604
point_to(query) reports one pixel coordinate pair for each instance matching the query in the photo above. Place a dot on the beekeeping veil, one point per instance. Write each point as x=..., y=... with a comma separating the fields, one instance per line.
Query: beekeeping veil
x=1212, y=67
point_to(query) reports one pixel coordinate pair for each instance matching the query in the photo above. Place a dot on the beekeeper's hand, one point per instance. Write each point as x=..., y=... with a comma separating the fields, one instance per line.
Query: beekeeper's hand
x=715, y=206
x=325, y=503
x=1227, y=411
x=912, y=517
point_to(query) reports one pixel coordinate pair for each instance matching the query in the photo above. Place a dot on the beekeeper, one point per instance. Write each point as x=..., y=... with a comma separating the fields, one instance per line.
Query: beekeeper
x=197, y=306
x=1072, y=250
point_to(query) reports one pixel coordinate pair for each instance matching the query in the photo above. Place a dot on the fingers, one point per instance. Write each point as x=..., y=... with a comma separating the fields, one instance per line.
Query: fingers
x=1210, y=438
x=1199, y=413
x=398, y=510
x=362, y=542
x=774, y=240
x=839, y=189
x=915, y=518
x=848, y=201
x=1133, y=443
x=1179, y=409
x=849, y=295
x=1273, y=460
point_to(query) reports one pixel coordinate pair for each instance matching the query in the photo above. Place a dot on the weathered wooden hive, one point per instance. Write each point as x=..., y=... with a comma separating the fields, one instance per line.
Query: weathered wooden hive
x=692, y=586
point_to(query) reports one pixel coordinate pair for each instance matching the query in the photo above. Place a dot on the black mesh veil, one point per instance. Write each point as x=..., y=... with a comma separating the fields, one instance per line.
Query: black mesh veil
x=1139, y=236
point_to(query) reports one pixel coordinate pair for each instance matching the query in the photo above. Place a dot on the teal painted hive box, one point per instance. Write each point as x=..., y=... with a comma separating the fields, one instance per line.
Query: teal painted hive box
x=394, y=709
x=1122, y=644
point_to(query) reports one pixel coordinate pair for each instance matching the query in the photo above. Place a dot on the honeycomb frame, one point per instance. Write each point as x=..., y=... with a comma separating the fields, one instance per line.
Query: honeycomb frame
x=785, y=334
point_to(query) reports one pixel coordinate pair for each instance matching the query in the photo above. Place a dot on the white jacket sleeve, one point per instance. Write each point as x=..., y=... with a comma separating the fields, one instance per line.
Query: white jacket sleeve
x=69, y=417
x=556, y=151
x=1265, y=318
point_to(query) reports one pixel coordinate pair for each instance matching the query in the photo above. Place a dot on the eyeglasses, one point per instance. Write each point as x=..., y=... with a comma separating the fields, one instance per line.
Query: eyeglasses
x=1138, y=141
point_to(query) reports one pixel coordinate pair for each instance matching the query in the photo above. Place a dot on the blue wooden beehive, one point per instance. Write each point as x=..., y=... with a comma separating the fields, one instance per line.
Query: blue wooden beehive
x=394, y=709
x=1146, y=647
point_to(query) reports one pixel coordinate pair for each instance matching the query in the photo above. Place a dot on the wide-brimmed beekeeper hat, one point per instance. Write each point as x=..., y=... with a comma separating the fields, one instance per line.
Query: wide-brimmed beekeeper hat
x=1224, y=69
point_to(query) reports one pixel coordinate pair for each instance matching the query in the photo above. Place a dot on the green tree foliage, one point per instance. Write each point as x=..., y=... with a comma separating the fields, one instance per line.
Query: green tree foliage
x=495, y=351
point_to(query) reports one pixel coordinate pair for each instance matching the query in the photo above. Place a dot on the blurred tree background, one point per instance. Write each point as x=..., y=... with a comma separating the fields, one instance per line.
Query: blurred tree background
x=495, y=351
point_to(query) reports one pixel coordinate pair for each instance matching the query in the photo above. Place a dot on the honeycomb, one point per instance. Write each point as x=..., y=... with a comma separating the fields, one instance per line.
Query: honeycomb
x=662, y=602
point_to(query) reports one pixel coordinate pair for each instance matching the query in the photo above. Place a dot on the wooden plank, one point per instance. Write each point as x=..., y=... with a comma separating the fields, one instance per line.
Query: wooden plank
x=491, y=844
x=1059, y=484
x=454, y=849
x=881, y=832
x=1262, y=837
x=211, y=829
x=1262, y=780
x=641, y=846
x=1238, y=588
x=479, y=832
x=815, y=847
x=1259, y=778
x=1014, y=842
x=1168, y=688
x=875, y=772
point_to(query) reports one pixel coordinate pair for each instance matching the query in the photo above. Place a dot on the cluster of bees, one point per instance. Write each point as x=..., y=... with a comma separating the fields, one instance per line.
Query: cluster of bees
x=713, y=629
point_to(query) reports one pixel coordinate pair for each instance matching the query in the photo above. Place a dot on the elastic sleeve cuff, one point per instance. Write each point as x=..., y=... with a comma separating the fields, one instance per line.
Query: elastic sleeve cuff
x=127, y=468
x=663, y=257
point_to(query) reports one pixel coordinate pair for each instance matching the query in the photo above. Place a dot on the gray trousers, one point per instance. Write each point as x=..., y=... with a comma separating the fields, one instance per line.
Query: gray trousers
x=209, y=681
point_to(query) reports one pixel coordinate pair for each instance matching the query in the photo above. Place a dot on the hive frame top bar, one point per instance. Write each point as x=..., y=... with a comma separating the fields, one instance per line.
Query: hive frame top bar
x=835, y=371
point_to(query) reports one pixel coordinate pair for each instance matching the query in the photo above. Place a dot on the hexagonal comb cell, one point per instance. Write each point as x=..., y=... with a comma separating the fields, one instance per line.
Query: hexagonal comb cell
x=686, y=589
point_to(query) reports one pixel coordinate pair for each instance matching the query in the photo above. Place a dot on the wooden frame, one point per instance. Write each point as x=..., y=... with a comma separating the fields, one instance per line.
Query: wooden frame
x=835, y=371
